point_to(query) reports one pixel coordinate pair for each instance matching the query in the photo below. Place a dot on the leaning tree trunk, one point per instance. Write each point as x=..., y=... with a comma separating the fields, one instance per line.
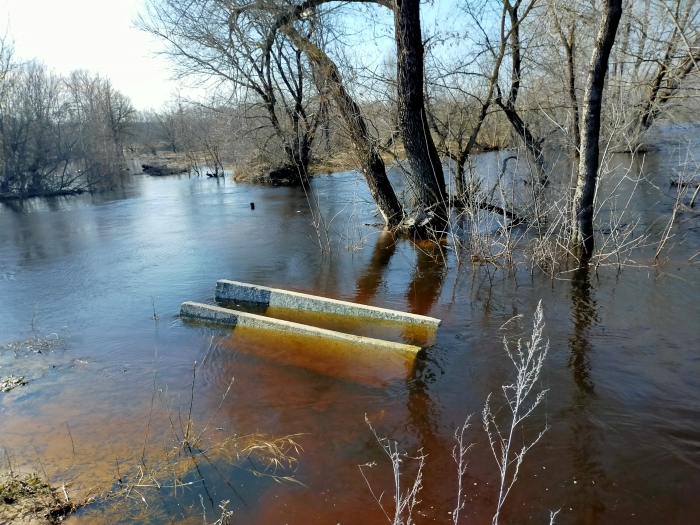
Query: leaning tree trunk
x=427, y=180
x=533, y=145
x=371, y=162
x=584, y=196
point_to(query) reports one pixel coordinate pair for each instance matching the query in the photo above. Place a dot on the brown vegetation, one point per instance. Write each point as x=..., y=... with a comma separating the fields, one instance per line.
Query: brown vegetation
x=30, y=500
x=516, y=80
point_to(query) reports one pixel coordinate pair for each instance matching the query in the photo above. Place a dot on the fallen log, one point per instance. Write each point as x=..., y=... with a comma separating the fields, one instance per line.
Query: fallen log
x=160, y=171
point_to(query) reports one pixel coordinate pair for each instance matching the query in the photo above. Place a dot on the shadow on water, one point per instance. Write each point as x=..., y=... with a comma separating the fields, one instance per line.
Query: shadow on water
x=428, y=277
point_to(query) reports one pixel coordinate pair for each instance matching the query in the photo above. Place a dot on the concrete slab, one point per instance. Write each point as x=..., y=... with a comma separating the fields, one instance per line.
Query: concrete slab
x=248, y=293
x=217, y=314
x=339, y=359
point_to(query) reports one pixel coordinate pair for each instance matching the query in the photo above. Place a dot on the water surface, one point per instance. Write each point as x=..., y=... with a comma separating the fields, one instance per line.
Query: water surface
x=623, y=372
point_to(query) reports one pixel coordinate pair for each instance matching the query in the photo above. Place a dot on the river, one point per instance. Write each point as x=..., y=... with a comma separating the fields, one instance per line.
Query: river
x=622, y=373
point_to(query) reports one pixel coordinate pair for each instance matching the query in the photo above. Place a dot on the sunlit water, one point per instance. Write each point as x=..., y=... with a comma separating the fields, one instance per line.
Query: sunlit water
x=623, y=372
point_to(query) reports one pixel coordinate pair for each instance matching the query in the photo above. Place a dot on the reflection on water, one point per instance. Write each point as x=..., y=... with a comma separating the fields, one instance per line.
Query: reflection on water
x=373, y=276
x=427, y=278
x=585, y=445
x=337, y=359
x=584, y=317
x=622, y=372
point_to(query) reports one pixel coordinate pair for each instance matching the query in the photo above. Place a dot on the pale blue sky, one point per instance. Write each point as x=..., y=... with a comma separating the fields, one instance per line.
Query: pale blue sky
x=97, y=35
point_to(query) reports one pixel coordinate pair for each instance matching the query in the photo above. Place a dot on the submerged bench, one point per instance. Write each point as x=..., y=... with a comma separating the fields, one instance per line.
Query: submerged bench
x=249, y=293
x=234, y=318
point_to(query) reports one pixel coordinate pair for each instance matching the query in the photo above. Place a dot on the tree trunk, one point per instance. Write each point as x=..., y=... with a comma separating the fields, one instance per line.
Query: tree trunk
x=371, y=162
x=571, y=68
x=584, y=196
x=460, y=181
x=532, y=144
x=569, y=44
x=427, y=180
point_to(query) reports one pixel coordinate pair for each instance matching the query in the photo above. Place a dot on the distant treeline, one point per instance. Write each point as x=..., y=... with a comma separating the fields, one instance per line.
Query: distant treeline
x=58, y=134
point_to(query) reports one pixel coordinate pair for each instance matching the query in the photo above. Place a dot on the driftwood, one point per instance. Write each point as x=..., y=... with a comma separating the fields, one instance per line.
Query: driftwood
x=43, y=193
x=285, y=175
x=159, y=171
x=484, y=205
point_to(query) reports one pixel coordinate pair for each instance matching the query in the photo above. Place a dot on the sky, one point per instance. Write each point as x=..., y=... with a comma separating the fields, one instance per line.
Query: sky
x=97, y=35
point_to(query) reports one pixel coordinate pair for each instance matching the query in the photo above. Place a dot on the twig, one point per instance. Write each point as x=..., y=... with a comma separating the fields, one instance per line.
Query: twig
x=153, y=303
x=458, y=453
x=71, y=440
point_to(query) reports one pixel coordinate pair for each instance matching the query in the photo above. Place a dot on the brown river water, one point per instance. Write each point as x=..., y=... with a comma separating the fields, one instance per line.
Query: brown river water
x=623, y=370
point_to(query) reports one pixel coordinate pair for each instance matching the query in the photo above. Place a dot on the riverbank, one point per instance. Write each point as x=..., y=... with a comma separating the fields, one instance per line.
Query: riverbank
x=30, y=500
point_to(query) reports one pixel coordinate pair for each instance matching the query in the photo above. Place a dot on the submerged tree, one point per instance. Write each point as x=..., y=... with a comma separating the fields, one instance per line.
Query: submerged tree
x=366, y=147
x=523, y=70
x=59, y=135
x=584, y=197
x=220, y=41
x=426, y=180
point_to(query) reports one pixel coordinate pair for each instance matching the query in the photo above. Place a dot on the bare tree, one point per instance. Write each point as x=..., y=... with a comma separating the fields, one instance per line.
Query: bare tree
x=568, y=42
x=6, y=65
x=170, y=124
x=670, y=59
x=35, y=143
x=220, y=41
x=59, y=135
x=102, y=119
x=460, y=135
x=366, y=147
x=584, y=196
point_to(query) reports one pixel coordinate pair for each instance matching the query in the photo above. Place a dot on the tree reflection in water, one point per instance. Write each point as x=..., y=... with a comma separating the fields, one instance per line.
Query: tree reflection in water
x=585, y=452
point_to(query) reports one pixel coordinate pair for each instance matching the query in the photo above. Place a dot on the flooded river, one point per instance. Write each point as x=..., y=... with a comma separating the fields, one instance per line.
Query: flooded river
x=623, y=371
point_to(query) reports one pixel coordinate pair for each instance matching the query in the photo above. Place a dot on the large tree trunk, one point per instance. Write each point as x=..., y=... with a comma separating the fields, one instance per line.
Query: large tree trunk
x=371, y=162
x=427, y=179
x=584, y=196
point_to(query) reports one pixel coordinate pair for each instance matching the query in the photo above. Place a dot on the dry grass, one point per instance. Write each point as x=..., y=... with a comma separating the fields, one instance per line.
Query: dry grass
x=167, y=469
x=31, y=500
x=178, y=455
x=35, y=345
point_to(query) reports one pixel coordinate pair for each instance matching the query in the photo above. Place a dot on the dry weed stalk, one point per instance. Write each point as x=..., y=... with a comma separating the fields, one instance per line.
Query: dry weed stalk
x=39, y=343
x=458, y=454
x=185, y=449
x=687, y=175
x=188, y=446
x=522, y=398
x=404, y=500
x=528, y=359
